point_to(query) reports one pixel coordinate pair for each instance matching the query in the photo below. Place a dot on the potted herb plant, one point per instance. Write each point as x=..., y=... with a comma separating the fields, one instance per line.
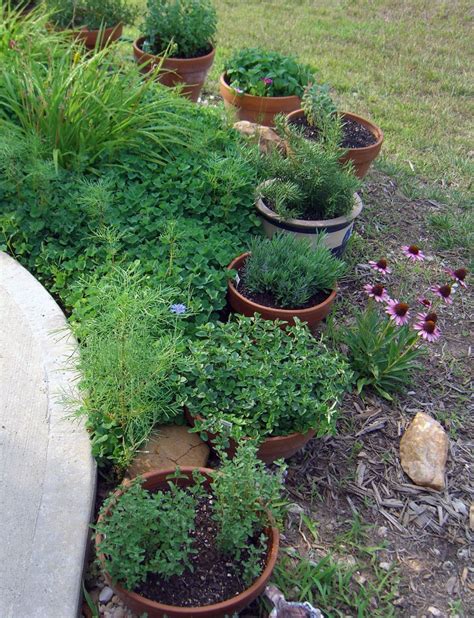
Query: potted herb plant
x=307, y=191
x=96, y=23
x=283, y=277
x=192, y=542
x=248, y=378
x=260, y=84
x=360, y=139
x=178, y=37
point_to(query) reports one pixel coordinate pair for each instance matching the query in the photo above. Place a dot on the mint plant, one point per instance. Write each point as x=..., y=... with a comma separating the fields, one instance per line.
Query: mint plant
x=292, y=270
x=266, y=73
x=145, y=533
x=181, y=28
x=260, y=380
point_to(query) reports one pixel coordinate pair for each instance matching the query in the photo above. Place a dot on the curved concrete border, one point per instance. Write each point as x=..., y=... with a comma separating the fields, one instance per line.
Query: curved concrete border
x=47, y=474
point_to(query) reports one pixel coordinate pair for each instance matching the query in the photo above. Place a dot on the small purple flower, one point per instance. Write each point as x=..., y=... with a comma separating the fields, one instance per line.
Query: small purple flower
x=425, y=302
x=380, y=266
x=413, y=253
x=178, y=309
x=444, y=292
x=268, y=81
x=398, y=312
x=458, y=275
x=377, y=292
x=428, y=330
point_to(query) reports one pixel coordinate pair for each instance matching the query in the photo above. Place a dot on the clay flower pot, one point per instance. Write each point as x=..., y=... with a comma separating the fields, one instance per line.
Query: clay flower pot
x=261, y=110
x=90, y=37
x=361, y=158
x=139, y=604
x=271, y=449
x=245, y=306
x=338, y=230
x=174, y=71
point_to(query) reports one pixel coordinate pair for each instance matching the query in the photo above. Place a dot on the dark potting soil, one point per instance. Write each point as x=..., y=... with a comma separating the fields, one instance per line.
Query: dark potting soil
x=215, y=577
x=355, y=134
x=268, y=300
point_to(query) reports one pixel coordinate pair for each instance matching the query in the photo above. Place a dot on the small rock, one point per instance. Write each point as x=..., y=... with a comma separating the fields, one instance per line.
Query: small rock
x=115, y=599
x=423, y=451
x=265, y=137
x=434, y=611
x=385, y=566
x=106, y=594
x=119, y=612
x=382, y=531
x=360, y=579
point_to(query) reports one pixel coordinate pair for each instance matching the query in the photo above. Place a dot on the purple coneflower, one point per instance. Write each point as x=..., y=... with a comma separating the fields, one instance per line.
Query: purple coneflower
x=178, y=309
x=426, y=302
x=267, y=80
x=398, y=312
x=381, y=266
x=413, y=252
x=427, y=317
x=458, y=275
x=428, y=330
x=377, y=292
x=444, y=292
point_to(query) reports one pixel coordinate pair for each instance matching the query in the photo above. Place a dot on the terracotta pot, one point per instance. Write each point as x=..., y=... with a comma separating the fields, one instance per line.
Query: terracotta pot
x=245, y=306
x=279, y=447
x=139, y=604
x=90, y=37
x=174, y=71
x=338, y=230
x=261, y=110
x=361, y=157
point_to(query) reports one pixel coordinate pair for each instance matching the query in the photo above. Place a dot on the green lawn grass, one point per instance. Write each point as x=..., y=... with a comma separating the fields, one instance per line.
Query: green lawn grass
x=407, y=65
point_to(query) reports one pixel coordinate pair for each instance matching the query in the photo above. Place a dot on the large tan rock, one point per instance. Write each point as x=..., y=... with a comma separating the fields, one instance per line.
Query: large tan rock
x=168, y=447
x=265, y=137
x=424, y=450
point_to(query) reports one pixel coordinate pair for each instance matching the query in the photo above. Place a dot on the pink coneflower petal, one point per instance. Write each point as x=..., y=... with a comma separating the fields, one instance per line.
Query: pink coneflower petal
x=398, y=312
x=444, y=292
x=428, y=330
x=425, y=302
x=427, y=317
x=377, y=292
x=458, y=275
x=413, y=252
x=380, y=266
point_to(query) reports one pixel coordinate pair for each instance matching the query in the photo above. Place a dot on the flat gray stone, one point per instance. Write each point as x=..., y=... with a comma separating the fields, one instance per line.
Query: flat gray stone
x=47, y=474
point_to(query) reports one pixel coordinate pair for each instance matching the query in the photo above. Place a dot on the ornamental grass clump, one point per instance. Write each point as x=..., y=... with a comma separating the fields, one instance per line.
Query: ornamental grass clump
x=93, y=14
x=290, y=269
x=129, y=350
x=388, y=337
x=307, y=183
x=262, y=73
x=86, y=109
x=145, y=533
x=250, y=375
x=181, y=28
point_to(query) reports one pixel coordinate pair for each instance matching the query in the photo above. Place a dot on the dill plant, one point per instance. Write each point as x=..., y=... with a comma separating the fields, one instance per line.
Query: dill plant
x=129, y=348
x=292, y=270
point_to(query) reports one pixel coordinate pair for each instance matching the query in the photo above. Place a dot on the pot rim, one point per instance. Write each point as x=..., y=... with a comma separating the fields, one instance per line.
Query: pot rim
x=270, y=439
x=252, y=97
x=272, y=554
x=307, y=224
x=141, y=39
x=286, y=312
x=87, y=30
x=373, y=128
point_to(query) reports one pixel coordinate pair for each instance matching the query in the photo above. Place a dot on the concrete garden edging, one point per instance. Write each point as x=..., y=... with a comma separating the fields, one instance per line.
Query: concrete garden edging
x=47, y=473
